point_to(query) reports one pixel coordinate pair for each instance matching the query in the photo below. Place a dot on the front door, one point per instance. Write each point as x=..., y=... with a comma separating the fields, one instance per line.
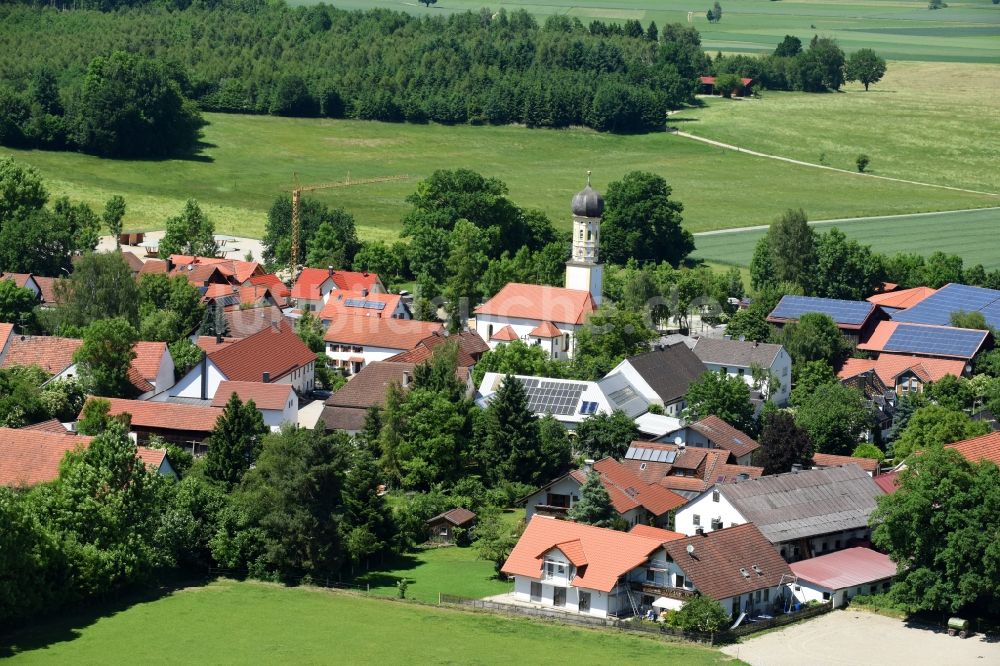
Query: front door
x=559, y=596
x=584, y=605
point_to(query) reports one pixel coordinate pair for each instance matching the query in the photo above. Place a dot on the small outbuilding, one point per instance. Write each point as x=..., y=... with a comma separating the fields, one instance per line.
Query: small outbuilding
x=442, y=527
x=839, y=576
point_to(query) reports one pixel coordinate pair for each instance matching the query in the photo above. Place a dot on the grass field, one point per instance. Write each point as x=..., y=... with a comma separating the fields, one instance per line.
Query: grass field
x=228, y=622
x=928, y=122
x=968, y=234
x=249, y=160
x=967, y=31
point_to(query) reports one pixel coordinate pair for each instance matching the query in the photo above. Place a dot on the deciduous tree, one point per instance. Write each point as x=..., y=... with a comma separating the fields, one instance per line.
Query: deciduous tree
x=865, y=66
x=605, y=435
x=190, y=233
x=105, y=357
x=782, y=444
x=722, y=395
x=642, y=222
x=835, y=416
x=934, y=426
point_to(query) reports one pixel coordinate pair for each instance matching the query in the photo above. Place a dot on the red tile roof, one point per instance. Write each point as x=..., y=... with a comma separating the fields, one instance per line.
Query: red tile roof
x=278, y=288
x=244, y=322
x=470, y=348
x=905, y=298
x=51, y=353
x=655, y=499
x=573, y=550
x=354, y=303
x=210, y=343
x=705, y=468
x=153, y=266
x=265, y=396
x=505, y=334
x=151, y=457
x=29, y=457
x=240, y=271
x=402, y=334
x=715, y=564
x=149, y=358
x=829, y=460
x=888, y=482
x=609, y=554
x=133, y=260
x=545, y=330
x=725, y=436
x=845, y=568
x=166, y=415
x=985, y=447
x=52, y=425
x=308, y=284
x=19, y=279
x=710, y=80
x=6, y=330
x=539, y=302
x=889, y=367
x=655, y=533
x=274, y=350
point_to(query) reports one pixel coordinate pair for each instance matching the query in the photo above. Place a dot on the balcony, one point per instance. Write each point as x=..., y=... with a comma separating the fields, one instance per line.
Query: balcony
x=551, y=510
x=667, y=591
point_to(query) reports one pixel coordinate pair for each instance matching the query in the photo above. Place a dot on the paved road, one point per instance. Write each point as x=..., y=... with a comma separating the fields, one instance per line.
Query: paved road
x=855, y=637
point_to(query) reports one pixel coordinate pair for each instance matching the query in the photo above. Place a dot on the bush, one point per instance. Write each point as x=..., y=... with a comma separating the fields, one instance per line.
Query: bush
x=700, y=613
x=862, y=161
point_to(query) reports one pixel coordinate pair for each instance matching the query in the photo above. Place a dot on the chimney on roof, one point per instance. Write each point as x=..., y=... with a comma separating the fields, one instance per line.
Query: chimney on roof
x=364, y=293
x=700, y=531
x=218, y=339
x=406, y=378
x=796, y=468
x=329, y=271
x=588, y=465
x=266, y=377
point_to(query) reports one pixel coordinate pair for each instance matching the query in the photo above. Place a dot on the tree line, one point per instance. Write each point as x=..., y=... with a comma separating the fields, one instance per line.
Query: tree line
x=473, y=67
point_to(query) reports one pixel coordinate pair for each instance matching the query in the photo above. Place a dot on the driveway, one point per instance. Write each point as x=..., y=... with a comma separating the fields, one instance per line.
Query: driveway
x=855, y=637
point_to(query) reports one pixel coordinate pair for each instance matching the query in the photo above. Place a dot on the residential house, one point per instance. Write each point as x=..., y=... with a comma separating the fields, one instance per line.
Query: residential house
x=687, y=471
x=636, y=501
x=278, y=289
x=663, y=375
x=236, y=272
x=712, y=432
x=764, y=367
x=469, y=348
x=803, y=514
x=535, y=314
x=313, y=286
x=236, y=297
x=244, y=322
x=343, y=303
x=927, y=341
x=187, y=426
x=6, y=338
x=354, y=342
x=24, y=281
x=571, y=401
x=657, y=426
x=984, y=447
x=272, y=355
x=30, y=456
x=871, y=466
x=278, y=404
x=899, y=373
x=49, y=294
x=443, y=527
x=855, y=319
x=347, y=407
x=838, y=577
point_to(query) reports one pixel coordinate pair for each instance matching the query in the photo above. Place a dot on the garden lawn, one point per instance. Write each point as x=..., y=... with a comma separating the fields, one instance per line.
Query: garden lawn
x=971, y=235
x=929, y=122
x=966, y=31
x=230, y=622
x=448, y=570
x=248, y=161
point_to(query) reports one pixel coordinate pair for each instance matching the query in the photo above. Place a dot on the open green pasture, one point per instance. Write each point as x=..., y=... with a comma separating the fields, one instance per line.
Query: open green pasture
x=929, y=122
x=966, y=31
x=249, y=160
x=228, y=622
x=970, y=234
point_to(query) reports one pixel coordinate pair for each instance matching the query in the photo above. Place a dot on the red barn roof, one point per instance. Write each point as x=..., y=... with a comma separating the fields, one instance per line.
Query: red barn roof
x=845, y=568
x=165, y=415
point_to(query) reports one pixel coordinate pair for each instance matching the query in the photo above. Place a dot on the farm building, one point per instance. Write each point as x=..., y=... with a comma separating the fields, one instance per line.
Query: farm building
x=855, y=319
x=839, y=576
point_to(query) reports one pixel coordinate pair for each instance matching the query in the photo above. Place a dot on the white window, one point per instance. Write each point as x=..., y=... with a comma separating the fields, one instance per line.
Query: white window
x=715, y=495
x=696, y=519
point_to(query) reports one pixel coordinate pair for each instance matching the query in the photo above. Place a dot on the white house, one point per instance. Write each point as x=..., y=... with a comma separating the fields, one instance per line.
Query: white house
x=571, y=401
x=273, y=355
x=663, y=375
x=588, y=570
x=312, y=288
x=363, y=303
x=354, y=342
x=737, y=358
x=277, y=403
x=838, y=577
x=803, y=514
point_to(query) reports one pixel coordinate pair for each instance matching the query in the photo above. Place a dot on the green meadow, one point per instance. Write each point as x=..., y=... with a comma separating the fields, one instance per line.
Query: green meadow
x=228, y=622
x=966, y=31
x=971, y=235
x=247, y=161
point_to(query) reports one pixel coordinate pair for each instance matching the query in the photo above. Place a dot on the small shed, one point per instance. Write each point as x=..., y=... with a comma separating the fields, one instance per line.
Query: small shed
x=839, y=576
x=441, y=527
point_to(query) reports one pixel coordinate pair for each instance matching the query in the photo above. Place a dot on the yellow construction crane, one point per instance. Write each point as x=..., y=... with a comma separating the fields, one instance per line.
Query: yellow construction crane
x=297, y=197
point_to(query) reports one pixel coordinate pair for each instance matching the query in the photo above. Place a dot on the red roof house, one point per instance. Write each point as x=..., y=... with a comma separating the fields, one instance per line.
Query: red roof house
x=985, y=447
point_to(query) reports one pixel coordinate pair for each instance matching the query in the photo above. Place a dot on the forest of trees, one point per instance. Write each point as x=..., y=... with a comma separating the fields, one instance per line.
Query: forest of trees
x=480, y=67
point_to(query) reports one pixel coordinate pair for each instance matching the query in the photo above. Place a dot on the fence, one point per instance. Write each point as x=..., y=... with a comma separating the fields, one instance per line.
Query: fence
x=635, y=625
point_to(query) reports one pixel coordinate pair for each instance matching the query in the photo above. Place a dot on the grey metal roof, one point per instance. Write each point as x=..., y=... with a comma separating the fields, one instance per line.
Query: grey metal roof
x=669, y=371
x=805, y=504
x=740, y=354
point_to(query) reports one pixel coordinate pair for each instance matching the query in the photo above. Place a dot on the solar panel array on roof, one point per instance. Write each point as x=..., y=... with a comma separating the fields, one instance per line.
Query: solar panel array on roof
x=650, y=455
x=937, y=308
x=622, y=395
x=559, y=398
x=852, y=313
x=362, y=303
x=913, y=339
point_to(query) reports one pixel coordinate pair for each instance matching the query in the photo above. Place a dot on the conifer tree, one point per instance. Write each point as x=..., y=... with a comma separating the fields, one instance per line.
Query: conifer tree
x=367, y=521
x=594, y=507
x=235, y=442
x=512, y=444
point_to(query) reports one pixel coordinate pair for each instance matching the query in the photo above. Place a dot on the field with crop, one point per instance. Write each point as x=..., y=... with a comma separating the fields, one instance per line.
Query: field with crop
x=967, y=31
x=969, y=234
x=249, y=160
x=228, y=622
x=929, y=122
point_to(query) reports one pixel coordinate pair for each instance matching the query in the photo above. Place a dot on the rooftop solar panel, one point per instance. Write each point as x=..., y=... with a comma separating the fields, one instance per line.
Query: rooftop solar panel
x=547, y=397
x=853, y=313
x=650, y=455
x=955, y=342
x=937, y=308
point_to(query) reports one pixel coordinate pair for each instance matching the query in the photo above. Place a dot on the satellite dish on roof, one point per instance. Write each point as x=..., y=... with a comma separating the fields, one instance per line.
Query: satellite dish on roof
x=690, y=549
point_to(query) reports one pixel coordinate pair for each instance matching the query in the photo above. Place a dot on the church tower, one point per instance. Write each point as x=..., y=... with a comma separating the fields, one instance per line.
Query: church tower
x=583, y=271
